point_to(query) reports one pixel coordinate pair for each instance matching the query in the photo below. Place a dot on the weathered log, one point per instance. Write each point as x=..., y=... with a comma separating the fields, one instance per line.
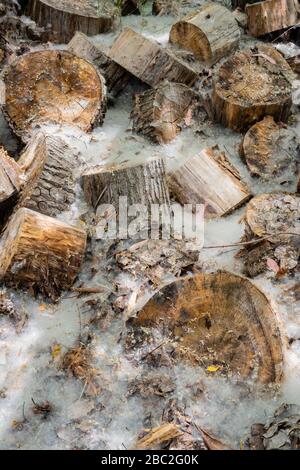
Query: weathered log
x=220, y=321
x=209, y=178
x=41, y=253
x=53, y=86
x=250, y=85
x=148, y=61
x=116, y=78
x=141, y=184
x=269, y=148
x=271, y=15
x=68, y=16
x=160, y=112
x=10, y=180
x=210, y=33
x=165, y=7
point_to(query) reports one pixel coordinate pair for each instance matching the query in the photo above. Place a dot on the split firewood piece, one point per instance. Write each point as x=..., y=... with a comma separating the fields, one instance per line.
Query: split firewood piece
x=270, y=148
x=209, y=178
x=160, y=112
x=271, y=15
x=148, y=61
x=48, y=166
x=141, y=184
x=210, y=33
x=164, y=433
x=116, y=77
x=68, y=16
x=10, y=179
x=219, y=321
x=250, y=85
x=53, y=86
x=41, y=253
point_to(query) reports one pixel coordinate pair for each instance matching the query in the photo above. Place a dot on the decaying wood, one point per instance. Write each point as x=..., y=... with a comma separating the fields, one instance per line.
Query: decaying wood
x=271, y=15
x=41, y=253
x=210, y=33
x=65, y=17
x=160, y=112
x=116, y=77
x=10, y=178
x=148, y=61
x=131, y=7
x=250, y=85
x=165, y=432
x=269, y=148
x=217, y=320
x=209, y=178
x=53, y=86
x=141, y=184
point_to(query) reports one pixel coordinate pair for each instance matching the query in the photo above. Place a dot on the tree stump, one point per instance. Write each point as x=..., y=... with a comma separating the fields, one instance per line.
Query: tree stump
x=148, y=61
x=10, y=181
x=210, y=33
x=53, y=87
x=269, y=148
x=218, y=320
x=160, y=112
x=250, y=85
x=68, y=16
x=116, y=78
x=271, y=15
x=209, y=178
x=41, y=253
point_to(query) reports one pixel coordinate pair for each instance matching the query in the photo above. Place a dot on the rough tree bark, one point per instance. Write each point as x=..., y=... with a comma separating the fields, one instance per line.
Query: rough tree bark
x=10, y=181
x=148, y=61
x=160, y=112
x=210, y=33
x=220, y=320
x=209, y=179
x=68, y=16
x=41, y=253
x=251, y=84
x=271, y=15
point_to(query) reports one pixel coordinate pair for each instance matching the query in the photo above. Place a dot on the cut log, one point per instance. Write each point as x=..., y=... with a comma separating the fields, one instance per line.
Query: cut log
x=160, y=112
x=269, y=148
x=68, y=16
x=53, y=86
x=10, y=181
x=116, y=78
x=271, y=15
x=219, y=321
x=250, y=85
x=142, y=184
x=41, y=253
x=165, y=7
x=210, y=33
x=209, y=178
x=148, y=61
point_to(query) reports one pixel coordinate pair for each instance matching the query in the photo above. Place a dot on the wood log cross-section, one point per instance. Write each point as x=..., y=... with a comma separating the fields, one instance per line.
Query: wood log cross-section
x=210, y=33
x=53, y=86
x=250, y=85
x=65, y=17
x=209, y=178
x=41, y=253
x=271, y=15
x=218, y=320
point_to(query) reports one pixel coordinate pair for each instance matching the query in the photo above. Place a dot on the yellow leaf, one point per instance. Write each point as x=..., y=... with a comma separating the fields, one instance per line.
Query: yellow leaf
x=42, y=307
x=56, y=350
x=213, y=368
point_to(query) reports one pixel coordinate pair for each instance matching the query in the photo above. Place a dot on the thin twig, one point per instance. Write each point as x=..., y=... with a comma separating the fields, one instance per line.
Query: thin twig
x=251, y=242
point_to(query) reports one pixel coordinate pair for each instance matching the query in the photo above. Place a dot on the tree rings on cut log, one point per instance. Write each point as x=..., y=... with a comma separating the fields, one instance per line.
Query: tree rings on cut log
x=271, y=15
x=210, y=33
x=41, y=253
x=270, y=148
x=160, y=113
x=250, y=85
x=53, y=87
x=65, y=17
x=219, y=321
x=209, y=178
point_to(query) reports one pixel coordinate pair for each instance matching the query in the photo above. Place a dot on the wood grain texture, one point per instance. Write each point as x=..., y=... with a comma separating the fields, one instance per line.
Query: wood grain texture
x=271, y=15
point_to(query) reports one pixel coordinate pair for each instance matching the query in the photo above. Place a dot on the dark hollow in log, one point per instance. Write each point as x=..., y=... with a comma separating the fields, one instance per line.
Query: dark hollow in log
x=271, y=15
x=217, y=320
x=40, y=253
x=160, y=112
x=148, y=61
x=250, y=85
x=53, y=86
x=131, y=7
x=209, y=178
x=65, y=17
x=210, y=33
